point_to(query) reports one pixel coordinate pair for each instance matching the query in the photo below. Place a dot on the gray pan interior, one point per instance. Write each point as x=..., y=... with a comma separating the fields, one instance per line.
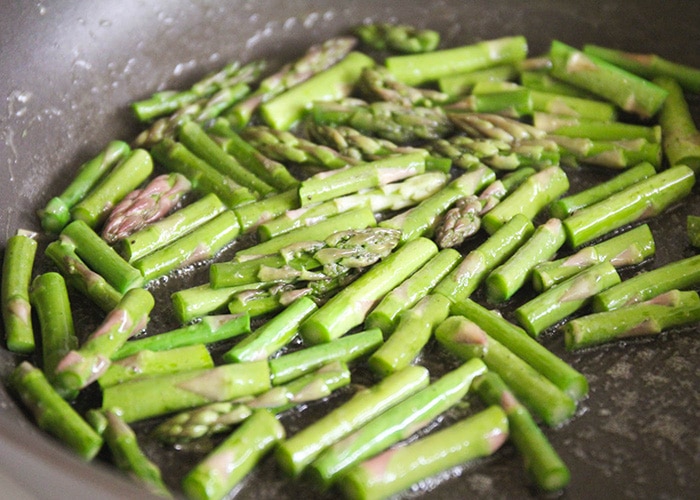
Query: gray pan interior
x=67, y=73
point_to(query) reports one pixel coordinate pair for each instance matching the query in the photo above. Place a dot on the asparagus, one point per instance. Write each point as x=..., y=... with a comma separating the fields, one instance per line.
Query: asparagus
x=387, y=313
x=123, y=178
x=566, y=378
x=335, y=82
x=542, y=81
x=693, y=230
x=649, y=66
x=420, y=68
x=52, y=413
x=397, y=423
x=466, y=340
x=504, y=281
x=626, y=249
x=564, y=207
x=17, y=267
x=198, y=245
x=575, y=107
x=234, y=458
x=80, y=276
x=628, y=91
x=385, y=120
x=667, y=310
x=569, y=126
x=465, y=278
x=681, y=138
x=493, y=126
x=377, y=83
x=216, y=418
x=529, y=199
x=128, y=456
x=298, y=451
x=81, y=367
x=159, y=395
x=542, y=463
x=682, y=274
x=619, y=154
x=397, y=469
x=349, y=307
x=459, y=84
x=201, y=300
x=56, y=214
x=101, y=257
x=250, y=216
x=555, y=304
x=511, y=102
x=637, y=202
x=49, y=297
x=273, y=335
x=398, y=37
x=316, y=59
x=147, y=363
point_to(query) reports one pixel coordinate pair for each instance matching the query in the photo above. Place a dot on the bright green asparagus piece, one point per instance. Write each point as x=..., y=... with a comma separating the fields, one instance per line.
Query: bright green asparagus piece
x=570, y=126
x=682, y=274
x=462, y=83
x=494, y=126
x=159, y=395
x=397, y=423
x=512, y=102
x=465, y=339
x=618, y=154
x=298, y=451
x=250, y=216
x=626, y=249
x=201, y=300
x=56, y=214
x=565, y=298
x=397, y=469
x=574, y=107
x=349, y=307
x=398, y=37
x=665, y=311
x=17, y=268
x=542, y=463
x=234, y=458
x=639, y=201
x=681, y=138
x=514, y=338
x=52, y=413
x=543, y=81
x=82, y=366
x=377, y=83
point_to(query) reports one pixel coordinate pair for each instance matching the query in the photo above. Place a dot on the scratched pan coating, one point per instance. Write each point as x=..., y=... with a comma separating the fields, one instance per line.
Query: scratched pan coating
x=68, y=72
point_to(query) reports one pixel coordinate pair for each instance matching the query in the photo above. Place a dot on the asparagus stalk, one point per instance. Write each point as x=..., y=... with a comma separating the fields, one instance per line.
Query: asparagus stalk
x=681, y=138
x=542, y=463
x=412, y=333
x=467, y=340
x=250, y=216
x=56, y=214
x=555, y=304
x=333, y=83
x=397, y=469
x=626, y=249
x=396, y=424
x=273, y=335
x=128, y=456
x=575, y=107
x=493, y=126
x=398, y=37
x=667, y=310
x=557, y=371
x=542, y=81
x=349, y=307
x=159, y=395
x=459, y=84
x=81, y=367
x=123, y=178
x=298, y=451
x=637, y=202
x=569, y=126
x=415, y=69
x=511, y=102
x=201, y=300
x=619, y=154
x=17, y=267
x=681, y=274
x=628, y=91
x=377, y=83
x=234, y=458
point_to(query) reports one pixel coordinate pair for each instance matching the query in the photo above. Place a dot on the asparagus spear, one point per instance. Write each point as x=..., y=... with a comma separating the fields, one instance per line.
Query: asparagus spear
x=377, y=83
x=17, y=267
x=234, y=458
x=397, y=423
x=543, y=81
x=651, y=317
x=397, y=469
x=681, y=138
x=398, y=37
x=298, y=451
x=467, y=340
x=52, y=413
x=575, y=107
x=682, y=274
x=462, y=83
x=493, y=126
x=639, y=201
x=619, y=154
x=542, y=463
x=513, y=102
x=250, y=216
x=81, y=367
x=569, y=126
x=201, y=300
x=56, y=214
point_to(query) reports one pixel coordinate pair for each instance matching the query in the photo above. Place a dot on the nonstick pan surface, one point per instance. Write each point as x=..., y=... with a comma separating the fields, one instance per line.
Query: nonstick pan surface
x=68, y=71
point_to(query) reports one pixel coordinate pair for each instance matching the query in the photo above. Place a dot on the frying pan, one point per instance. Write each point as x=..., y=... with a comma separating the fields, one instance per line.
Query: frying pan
x=69, y=71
